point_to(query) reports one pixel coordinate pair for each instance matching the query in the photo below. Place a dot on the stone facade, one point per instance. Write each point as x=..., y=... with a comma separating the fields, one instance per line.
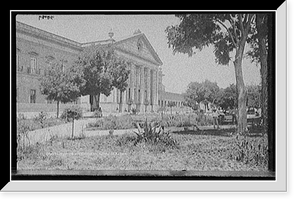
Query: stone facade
x=36, y=49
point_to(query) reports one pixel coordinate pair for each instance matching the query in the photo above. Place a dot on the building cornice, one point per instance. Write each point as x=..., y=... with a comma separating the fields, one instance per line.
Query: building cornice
x=30, y=30
x=41, y=34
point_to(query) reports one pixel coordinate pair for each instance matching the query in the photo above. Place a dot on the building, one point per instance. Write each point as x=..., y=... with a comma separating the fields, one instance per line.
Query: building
x=165, y=98
x=36, y=49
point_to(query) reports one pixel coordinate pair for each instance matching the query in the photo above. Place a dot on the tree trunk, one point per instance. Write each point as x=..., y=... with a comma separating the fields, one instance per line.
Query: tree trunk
x=271, y=93
x=240, y=85
x=264, y=86
x=57, y=109
x=241, y=91
x=263, y=67
x=94, y=101
x=97, y=101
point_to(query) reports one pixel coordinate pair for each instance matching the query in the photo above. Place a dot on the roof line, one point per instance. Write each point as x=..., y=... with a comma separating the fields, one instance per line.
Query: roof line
x=63, y=40
x=42, y=33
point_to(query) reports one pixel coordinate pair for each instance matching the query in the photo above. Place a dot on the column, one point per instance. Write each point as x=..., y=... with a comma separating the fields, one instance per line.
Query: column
x=134, y=84
x=151, y=89
x=142, y=87
x=154, y=88
x=148, y=87
x=137, y=84
x=131, y=82
x=157, y=85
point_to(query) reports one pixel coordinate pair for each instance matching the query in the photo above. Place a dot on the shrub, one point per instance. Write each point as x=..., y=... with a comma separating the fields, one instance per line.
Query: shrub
x=203, y=119
x=124, y=122
x=113, y=122
x=36, y=152
x=178, y=120
x=52, y=122
x=155, y=135
x=109, y=122
x=41, y=119
x=133, y=111
x=21, y=116
x=72, y=113
x=97, y=113
x=251, y=151
x=125, y=140
x=24, y=126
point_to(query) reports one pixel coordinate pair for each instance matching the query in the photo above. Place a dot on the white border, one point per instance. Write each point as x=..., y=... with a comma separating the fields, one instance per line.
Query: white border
x=279, y=185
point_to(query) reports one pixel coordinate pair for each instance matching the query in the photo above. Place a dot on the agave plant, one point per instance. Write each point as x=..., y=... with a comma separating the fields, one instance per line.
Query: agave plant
x=153, y=133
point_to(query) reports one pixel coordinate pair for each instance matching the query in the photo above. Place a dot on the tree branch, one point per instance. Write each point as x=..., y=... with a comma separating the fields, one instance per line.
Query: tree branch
x=230, y=34
x=248, y=23
x=232, y=21
x=241, y=23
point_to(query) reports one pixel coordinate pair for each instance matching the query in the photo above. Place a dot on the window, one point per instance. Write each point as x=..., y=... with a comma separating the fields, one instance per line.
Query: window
x=33, y=66
x=49, y=63
x=18, y=67
x=32, y=96
x=129, y=96
x=63, y=64
x=33, y=63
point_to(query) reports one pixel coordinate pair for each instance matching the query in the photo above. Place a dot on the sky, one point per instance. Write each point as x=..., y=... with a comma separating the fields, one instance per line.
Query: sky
x=179, y=69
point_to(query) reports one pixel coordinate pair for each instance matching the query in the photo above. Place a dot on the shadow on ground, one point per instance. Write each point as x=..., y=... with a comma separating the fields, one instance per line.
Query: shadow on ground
x=224, y=132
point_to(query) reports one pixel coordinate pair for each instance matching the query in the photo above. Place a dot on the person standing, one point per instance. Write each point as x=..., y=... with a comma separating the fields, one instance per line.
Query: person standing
x=215, y=115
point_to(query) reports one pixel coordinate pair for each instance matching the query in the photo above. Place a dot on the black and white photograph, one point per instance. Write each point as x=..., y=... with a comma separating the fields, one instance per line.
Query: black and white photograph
x=185, y=95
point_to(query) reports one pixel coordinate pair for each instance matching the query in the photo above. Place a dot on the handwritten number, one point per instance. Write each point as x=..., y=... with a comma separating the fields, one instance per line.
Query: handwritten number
x=47, y=17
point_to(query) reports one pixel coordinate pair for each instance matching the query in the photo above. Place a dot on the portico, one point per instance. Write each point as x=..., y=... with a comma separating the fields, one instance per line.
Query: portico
x=142, y=91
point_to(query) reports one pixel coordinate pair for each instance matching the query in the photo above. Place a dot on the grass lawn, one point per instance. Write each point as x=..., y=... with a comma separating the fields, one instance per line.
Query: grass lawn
x=197, y=151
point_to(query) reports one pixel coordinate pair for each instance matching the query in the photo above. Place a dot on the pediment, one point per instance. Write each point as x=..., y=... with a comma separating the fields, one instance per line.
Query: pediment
x=139, y=46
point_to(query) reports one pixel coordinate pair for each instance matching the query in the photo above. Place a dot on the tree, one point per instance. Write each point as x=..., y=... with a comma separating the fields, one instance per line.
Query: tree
x=227, y=98
x=262, y=53
x=227, y=33
x=210, y=90
x=101, y=71
x=253, y=96
x=204, y=92
x=259, y=54
x=60, y=84
x=193, y=96
x=120, y=74
x=70, y=115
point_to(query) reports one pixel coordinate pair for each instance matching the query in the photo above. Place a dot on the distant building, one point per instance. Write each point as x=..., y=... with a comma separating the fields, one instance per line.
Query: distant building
x=166, y=97
x=36, y=49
